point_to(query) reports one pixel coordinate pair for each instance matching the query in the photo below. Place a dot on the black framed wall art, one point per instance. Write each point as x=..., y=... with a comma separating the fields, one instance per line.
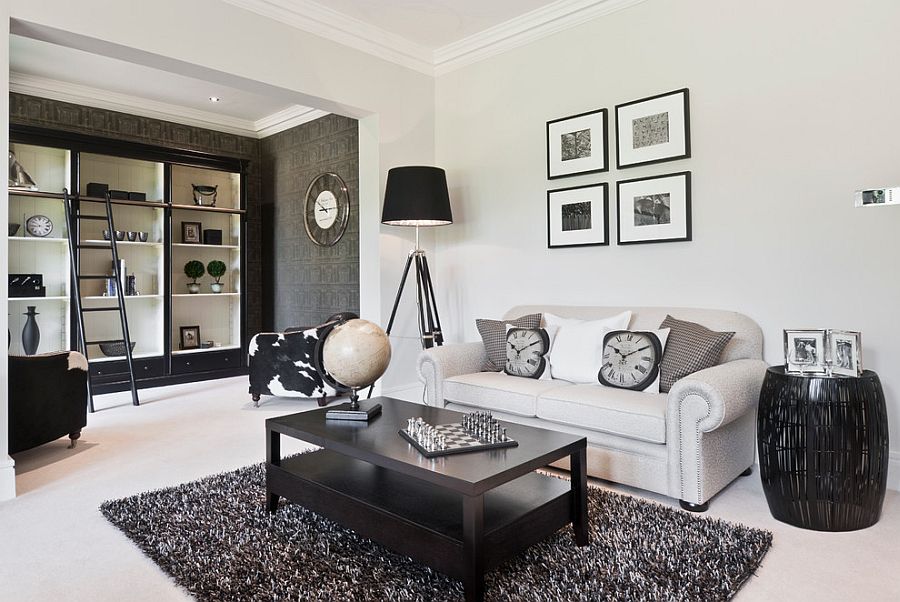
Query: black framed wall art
x=578, y=216
x=577, y=144
x=654, y=209
x=653, y=129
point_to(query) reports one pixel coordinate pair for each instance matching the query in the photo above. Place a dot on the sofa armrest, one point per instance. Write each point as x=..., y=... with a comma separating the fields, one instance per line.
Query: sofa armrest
x=727, y=391
x=438, y=363
x=710, y=428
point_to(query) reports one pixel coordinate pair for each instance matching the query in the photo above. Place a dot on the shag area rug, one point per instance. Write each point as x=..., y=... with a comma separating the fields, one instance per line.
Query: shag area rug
x=215, y=538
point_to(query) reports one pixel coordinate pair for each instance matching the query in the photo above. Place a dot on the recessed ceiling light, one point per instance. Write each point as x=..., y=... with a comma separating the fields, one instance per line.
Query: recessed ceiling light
x=214, y=99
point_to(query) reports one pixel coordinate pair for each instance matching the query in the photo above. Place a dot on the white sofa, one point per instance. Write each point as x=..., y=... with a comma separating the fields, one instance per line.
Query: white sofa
x=687, y=444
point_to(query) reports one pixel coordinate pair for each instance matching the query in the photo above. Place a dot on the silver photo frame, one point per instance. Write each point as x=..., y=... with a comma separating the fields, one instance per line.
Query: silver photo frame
x=845, y=352
x=805, y=351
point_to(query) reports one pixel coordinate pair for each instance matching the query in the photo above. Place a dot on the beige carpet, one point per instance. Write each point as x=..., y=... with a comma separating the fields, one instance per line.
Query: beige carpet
x=54, y=544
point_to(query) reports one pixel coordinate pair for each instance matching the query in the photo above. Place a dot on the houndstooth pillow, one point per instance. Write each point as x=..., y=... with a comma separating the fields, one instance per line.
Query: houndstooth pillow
x=690, y=348
x=493, y=335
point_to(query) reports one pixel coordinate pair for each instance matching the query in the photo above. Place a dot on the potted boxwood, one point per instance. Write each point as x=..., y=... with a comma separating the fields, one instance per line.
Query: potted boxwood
x=193, y=270
x=216, y=269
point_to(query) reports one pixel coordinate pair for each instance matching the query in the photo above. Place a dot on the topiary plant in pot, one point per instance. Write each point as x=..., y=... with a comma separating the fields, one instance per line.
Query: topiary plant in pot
x=216, y=269
x=193, y=270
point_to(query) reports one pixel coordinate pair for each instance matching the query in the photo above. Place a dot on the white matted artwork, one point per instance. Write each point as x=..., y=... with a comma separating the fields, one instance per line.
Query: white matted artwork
x=654, y=209
x=578, y=216
x=653, y=130
x=577, y=144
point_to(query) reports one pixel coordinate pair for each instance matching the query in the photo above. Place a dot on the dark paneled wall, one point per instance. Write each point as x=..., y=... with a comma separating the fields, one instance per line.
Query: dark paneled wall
x=42, y=112
x=305, y=283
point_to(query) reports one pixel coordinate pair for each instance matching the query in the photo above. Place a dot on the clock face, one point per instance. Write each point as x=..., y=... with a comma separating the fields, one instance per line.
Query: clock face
x=525, y=351
x=630, y=359
x=327, y=209
x=39, y=225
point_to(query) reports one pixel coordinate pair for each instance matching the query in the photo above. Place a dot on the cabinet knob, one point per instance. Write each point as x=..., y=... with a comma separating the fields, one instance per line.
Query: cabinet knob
x=187, y=363
x=146, y=368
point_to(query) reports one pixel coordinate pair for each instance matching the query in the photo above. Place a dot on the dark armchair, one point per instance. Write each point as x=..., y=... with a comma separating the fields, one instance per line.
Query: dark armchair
x=47, y=398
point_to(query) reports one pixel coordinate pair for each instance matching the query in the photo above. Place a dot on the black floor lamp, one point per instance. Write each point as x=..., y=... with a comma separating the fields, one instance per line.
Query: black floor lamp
x=417, y=196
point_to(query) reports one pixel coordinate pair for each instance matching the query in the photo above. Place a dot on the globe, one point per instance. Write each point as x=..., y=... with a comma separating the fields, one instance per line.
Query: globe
x=356, y=353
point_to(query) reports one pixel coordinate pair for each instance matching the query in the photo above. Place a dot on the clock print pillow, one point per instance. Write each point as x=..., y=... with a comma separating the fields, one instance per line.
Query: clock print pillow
x=526, y=352
x=631, y=359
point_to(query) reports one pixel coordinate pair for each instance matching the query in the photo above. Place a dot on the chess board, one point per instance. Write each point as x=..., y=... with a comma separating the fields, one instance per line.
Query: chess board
x=458, y=442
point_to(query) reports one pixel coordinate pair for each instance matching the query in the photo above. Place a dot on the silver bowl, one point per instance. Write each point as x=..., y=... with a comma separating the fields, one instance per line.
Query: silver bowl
x=13, y=228
x=120, y=234
x=143, y=236
x=115, y=349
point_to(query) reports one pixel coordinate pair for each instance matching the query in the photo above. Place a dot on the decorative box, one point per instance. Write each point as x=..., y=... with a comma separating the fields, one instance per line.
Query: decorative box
x=27, y=290
x=97, y=189
x=121, y=195
x=137, y=196
x=212, y=237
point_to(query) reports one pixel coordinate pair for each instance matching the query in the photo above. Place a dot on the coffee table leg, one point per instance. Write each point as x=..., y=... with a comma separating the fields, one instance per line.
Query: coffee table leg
x=578, y=465
x=473, y=549
x=273, y=457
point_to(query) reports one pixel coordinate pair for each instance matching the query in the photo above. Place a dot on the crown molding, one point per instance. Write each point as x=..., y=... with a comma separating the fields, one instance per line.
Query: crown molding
x=125, y=103
x=533, y=25
x=330, y=24
x=285, y=120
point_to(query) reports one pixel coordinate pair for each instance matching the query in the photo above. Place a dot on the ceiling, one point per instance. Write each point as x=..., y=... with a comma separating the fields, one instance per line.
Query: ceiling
x=435, y=23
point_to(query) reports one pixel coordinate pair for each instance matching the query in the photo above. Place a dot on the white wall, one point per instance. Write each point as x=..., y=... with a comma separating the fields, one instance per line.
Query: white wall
x=793, y=107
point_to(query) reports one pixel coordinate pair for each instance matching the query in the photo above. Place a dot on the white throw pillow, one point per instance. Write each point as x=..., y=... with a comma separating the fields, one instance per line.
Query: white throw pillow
x=577, y=351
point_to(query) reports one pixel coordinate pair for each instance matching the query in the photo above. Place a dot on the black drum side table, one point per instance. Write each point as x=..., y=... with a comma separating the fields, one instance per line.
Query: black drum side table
x=823, y=449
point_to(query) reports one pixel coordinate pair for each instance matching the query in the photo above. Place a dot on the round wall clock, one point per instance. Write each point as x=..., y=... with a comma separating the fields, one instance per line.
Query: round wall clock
x=39, y=225
x=327, y=209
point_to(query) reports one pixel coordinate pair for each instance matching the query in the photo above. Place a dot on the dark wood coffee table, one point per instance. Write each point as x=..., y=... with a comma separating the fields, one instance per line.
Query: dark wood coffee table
x=461, y=514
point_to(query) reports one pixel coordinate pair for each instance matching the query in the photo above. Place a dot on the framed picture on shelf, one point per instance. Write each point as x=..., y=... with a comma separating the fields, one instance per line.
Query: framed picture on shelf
x=578, y=216
x=653, y=129
x=577, y=144
x=190, y=337
x=654, y=209
x=845, y=351
x=191, y=232
x=805, y=351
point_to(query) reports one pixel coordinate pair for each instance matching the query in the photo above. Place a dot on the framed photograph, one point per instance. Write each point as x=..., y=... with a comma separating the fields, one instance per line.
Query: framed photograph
x=654, y=209
x=653, y=130
x=845, y=349
x=804, y=351
x=577, y=144
x=191, y=232
x=190, y=337
x=578, y=216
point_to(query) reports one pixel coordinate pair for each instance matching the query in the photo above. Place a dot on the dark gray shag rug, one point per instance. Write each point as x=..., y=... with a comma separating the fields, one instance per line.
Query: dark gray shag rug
x=216, y=539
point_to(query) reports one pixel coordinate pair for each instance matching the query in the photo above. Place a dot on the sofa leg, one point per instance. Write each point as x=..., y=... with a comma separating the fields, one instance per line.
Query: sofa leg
x=691, y=507
x=747, y=472
x=322, y=401
x=73, y=437
x=255, y=400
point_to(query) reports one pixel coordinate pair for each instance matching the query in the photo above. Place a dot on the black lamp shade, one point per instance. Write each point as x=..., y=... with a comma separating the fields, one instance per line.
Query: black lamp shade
x=416, y=196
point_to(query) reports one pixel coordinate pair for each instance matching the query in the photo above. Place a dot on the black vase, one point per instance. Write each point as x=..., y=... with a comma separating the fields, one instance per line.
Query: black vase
x=31, y=334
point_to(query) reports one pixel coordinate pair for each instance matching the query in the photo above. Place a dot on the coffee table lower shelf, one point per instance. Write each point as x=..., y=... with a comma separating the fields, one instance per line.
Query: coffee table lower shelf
x=420, y=519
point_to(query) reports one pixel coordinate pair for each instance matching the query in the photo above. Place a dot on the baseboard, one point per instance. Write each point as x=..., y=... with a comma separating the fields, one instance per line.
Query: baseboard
x=410, y=391
x=894, y=471
x=7, y=478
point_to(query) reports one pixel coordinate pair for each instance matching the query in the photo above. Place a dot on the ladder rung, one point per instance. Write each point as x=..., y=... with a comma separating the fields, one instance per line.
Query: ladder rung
x=94, y=217
x=95, y=277
x=95, y=246
x=104, y=342
x=87, y=309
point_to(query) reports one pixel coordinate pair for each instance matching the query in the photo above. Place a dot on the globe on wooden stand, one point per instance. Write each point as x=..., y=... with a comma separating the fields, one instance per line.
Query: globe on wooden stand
x=354, y=354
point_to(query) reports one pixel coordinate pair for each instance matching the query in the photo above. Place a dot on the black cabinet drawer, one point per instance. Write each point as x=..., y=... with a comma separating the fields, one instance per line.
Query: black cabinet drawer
x=206, y=361
x=143, y=368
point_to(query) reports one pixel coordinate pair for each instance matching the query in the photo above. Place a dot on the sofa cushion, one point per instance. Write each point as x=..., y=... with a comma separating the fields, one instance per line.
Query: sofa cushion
x=616, y=411
x=493, y=335
x=691, y=348
x=498, y=391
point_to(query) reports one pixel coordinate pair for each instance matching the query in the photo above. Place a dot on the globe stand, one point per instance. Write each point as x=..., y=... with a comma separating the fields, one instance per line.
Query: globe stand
x=354, y=410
